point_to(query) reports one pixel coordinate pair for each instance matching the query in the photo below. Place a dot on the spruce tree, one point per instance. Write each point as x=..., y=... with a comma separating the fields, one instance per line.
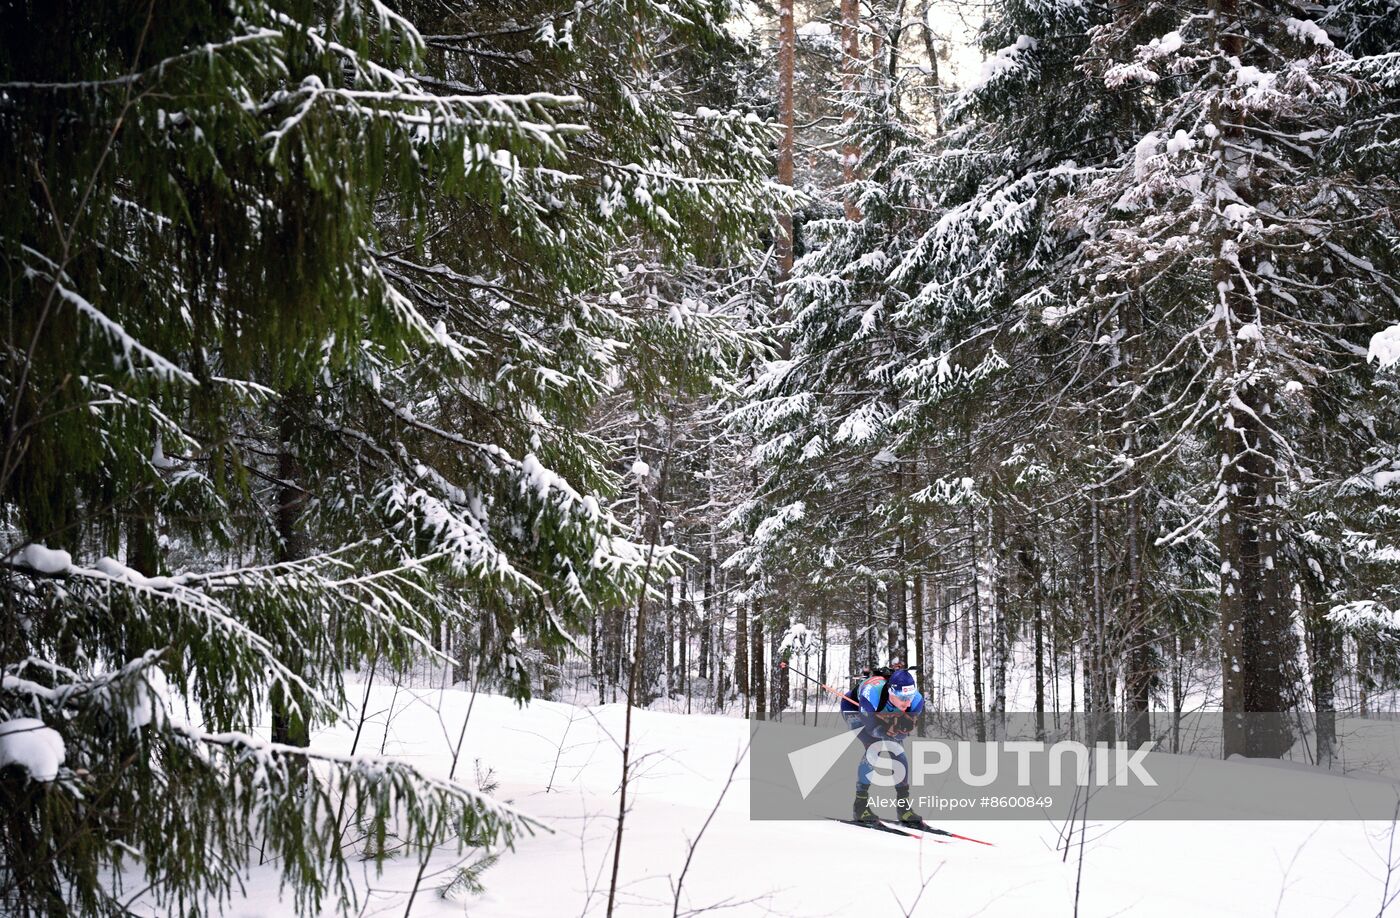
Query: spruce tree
x=305, y=309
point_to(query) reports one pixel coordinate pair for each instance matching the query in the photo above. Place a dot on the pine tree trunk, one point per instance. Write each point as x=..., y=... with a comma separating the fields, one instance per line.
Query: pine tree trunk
x=787, y=52
x=717, y=670
x=933, y=76
x=870, y=659
x=898, y=599
x=143, y=556
x=1363, y=676
x=1324, y=645
x=777, y=694
x=824, y=638
x=703, y=663
x=1142, y=661
x=617, y=653
x=1255, y=625
x=683, y=639
x=1030, y=568
x=1001, y=619
x=850, y=81
x=741, y=652
x=1069, y=667
x=1098, y=687
x=289, y=724
x=1178, y=691
x=853, y=664
x=712, y=607
x=940, y=606
x=758, y=680
x=978, y=702
x=669, y=638
x=1138, y=622
x=920, y=639
x=1090, y=689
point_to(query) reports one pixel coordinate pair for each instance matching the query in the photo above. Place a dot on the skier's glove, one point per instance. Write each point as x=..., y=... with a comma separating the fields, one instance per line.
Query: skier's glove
x=898, y=724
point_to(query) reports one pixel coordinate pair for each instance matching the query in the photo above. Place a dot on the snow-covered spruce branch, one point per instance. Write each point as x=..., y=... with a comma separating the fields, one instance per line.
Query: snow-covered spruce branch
x=163, y=367
x=258, y=613
x=370, y=771
x=156, y=70
x=419, y=110
x=39, y=562
x=75, y=688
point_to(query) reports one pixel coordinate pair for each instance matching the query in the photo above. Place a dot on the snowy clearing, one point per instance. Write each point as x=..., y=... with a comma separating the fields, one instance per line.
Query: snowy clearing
x=559, y=762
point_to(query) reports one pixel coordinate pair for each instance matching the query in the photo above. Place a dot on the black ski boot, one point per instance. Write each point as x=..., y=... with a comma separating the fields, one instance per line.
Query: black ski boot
x=907, y=817
x=861, y=812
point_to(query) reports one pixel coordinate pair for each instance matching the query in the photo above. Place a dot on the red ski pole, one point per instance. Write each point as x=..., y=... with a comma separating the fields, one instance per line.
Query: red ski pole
x=837, y=692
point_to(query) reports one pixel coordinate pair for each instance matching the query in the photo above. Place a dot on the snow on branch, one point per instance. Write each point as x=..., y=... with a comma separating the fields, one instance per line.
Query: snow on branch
x=1384, y=349
x=1382, y=69
x=233, y=608
x=266, y=757
x=130, y=347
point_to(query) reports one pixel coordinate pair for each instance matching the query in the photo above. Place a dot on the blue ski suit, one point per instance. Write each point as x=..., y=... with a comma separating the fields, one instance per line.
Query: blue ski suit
x=872, y=729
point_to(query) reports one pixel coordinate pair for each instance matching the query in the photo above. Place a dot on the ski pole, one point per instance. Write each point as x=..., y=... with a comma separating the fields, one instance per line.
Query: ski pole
x=956, y=835
x=837, y=692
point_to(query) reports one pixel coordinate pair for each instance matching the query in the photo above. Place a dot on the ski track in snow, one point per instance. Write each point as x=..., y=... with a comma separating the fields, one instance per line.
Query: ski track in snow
x=804, y=868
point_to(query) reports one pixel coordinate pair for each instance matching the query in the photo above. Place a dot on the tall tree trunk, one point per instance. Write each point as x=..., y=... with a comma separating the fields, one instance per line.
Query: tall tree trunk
x=1255, y=625
x=712, y=606
x=1324, y=645
x=1098, y=682
x=668, y=663
x=703, y=663
x=870, y=659
x=787, y=52
x=741, y=651
x=1039, y=669
x=920, y=638
x=683, y=643
x=933, y=76
x=899, y=615
x=978, y=702
x=1142, y=663
x=717, y=667
x=1069, y=667
x=289, y=725
x=595, y=653
x=941, y=602
x=1363, y=676
x=758, y=680
x=1178, y=690
x=1031, y=593
x=1001, y=618
x=850, y=83
x=618, y=651
x=852, y=618
x=143, y=556
x=777, y=695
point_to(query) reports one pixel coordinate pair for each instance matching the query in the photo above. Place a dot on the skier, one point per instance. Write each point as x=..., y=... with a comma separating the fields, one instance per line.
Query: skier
x=888, y=704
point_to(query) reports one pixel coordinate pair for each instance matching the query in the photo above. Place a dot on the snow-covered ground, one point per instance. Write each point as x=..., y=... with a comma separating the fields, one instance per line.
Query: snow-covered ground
x=560, y=763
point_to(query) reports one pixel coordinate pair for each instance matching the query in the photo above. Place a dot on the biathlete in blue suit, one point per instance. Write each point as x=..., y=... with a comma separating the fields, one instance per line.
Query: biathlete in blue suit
x=888, y=706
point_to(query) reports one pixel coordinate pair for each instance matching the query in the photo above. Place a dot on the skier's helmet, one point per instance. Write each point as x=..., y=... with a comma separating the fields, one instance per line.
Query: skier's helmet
x=902, y=689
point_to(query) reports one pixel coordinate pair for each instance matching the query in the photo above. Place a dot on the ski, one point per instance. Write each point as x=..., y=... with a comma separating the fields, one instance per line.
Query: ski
x=877, y=826
x=930, y=830
x=924, y=832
